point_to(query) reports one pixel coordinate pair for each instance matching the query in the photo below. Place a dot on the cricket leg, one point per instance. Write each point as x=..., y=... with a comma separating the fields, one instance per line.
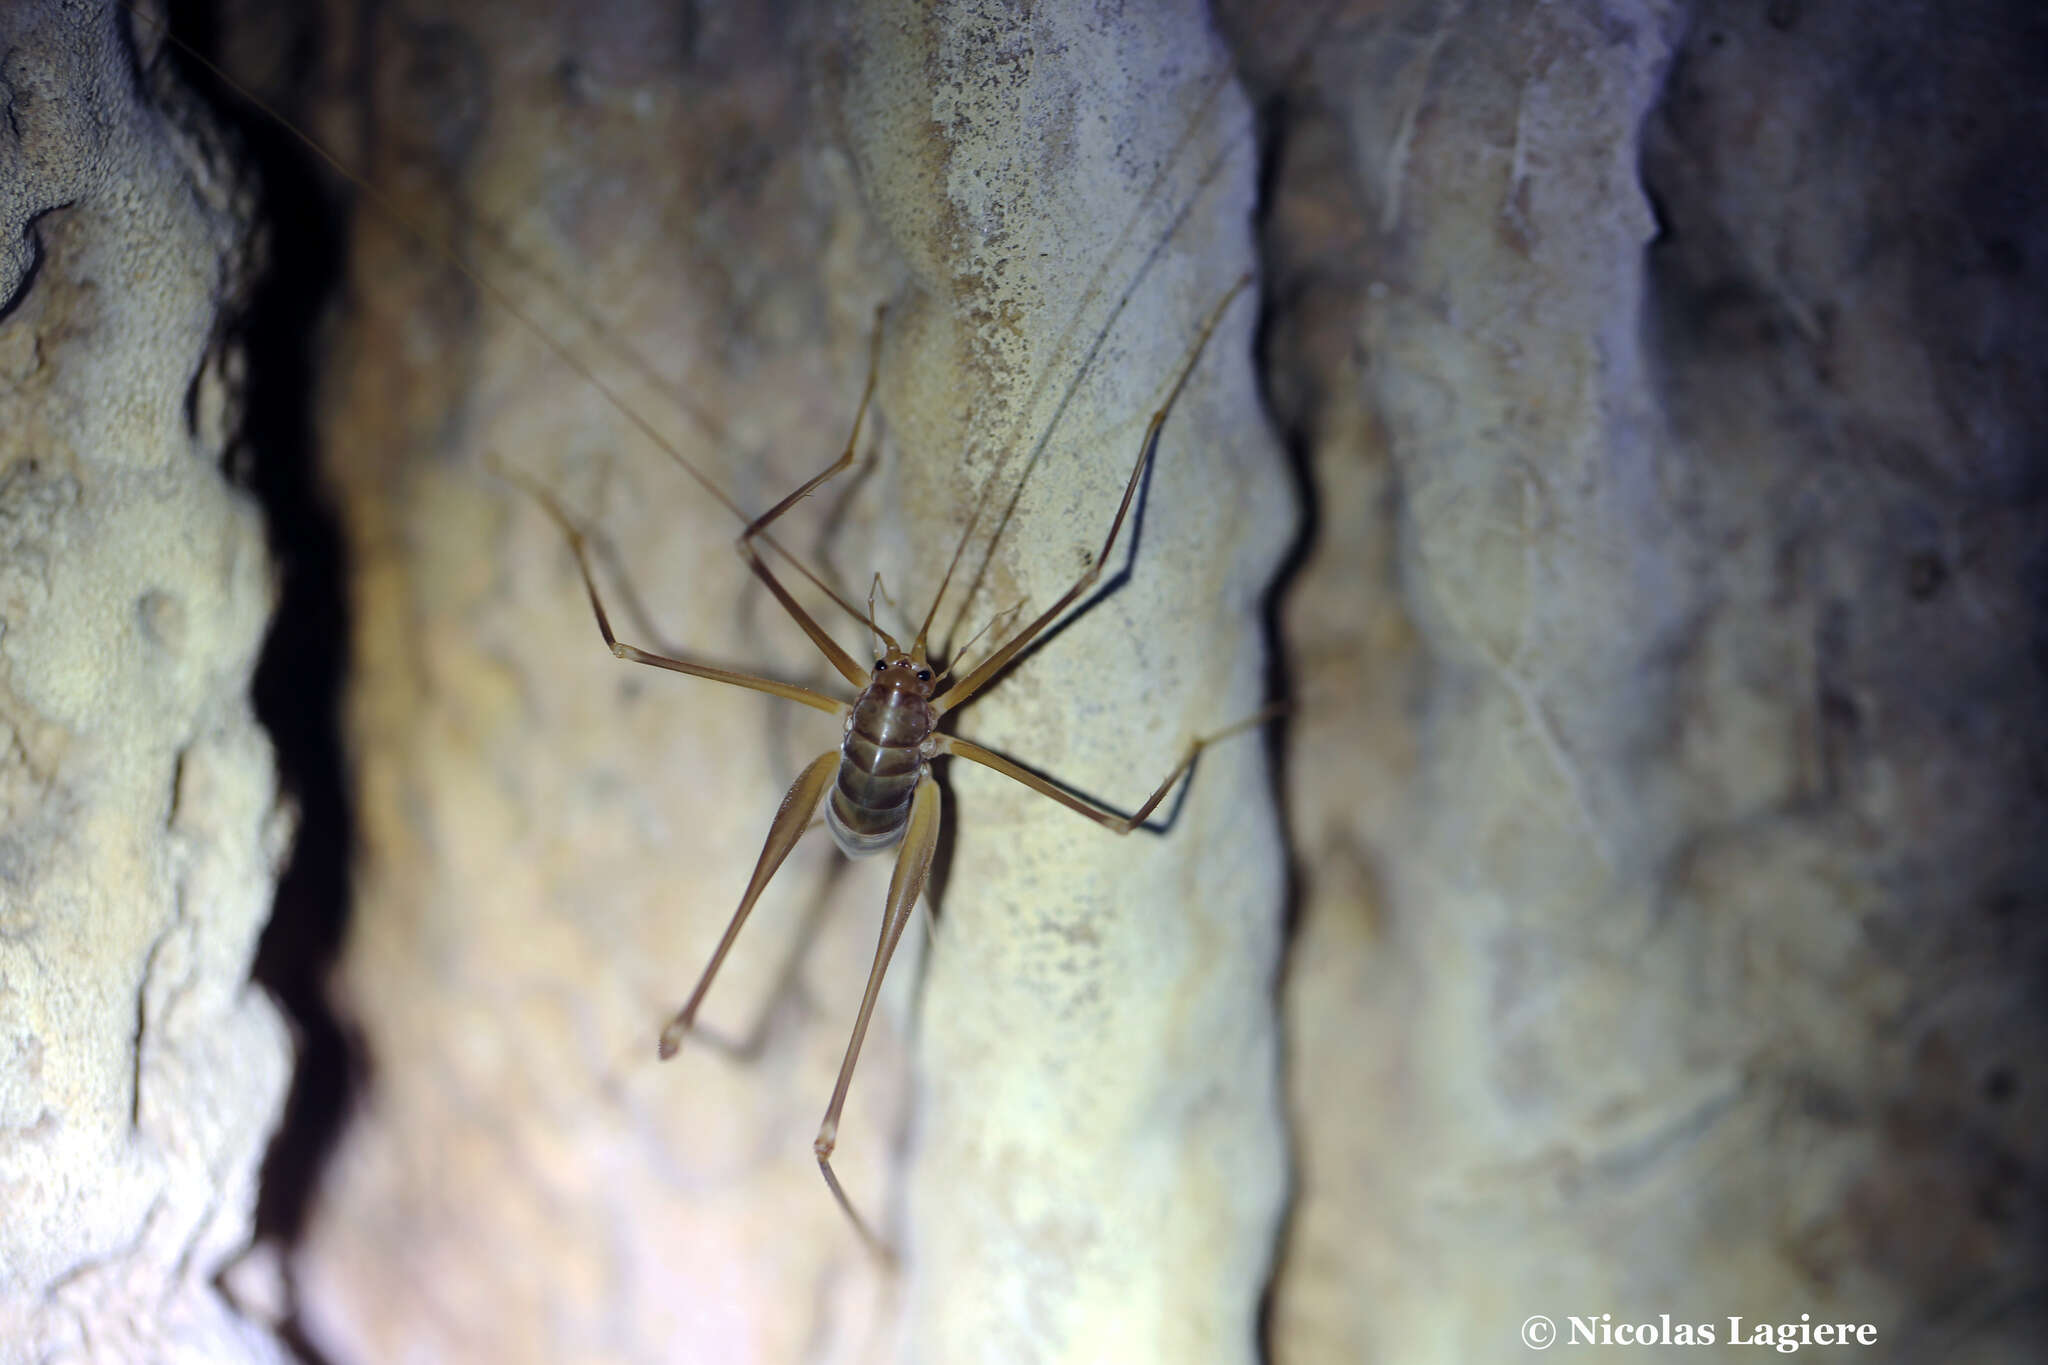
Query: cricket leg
x=790, y=822
x=913, y=866
x=1094, y=810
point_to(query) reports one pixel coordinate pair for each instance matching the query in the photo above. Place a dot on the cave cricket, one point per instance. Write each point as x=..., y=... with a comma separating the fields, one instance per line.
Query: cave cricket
x=875, y=787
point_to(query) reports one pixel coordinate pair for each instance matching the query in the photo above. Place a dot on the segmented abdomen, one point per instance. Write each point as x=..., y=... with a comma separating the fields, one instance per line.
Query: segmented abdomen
x=879, y=763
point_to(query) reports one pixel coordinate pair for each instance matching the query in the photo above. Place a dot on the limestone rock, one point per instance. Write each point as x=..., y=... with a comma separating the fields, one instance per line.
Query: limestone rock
x=1668, y=770
x=552, y=841
x=1098, y=1163
x=140, y=1072
x=1663, y=773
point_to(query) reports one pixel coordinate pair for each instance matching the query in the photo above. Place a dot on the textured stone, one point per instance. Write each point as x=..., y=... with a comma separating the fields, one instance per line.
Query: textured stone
x=1668, y=770
x=140, y=1072
x=1098, y=1163
x=1663, y=773
x=551, y=841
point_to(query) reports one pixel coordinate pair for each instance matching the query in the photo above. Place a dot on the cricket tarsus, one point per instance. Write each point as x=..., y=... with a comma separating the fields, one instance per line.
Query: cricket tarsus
x=1108, y=819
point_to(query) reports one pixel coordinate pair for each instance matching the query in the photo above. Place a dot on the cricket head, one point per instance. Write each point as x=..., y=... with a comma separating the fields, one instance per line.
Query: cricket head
x=899, y=670
x=909, y=672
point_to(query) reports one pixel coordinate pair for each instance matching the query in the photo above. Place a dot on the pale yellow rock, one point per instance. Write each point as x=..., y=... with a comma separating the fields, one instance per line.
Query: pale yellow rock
x=1098, y=1161
x=1667, y=844
x=1662, y=773
x=552, y=840
x=140, y=832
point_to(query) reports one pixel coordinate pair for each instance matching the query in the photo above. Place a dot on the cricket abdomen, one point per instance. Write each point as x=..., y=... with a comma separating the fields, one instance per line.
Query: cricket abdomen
x=880, y=761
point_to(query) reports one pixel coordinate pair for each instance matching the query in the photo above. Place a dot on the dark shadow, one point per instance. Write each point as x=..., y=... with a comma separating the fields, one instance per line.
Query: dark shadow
x=1133, y=537
x=34, y=239
x=300, y=676
x=941, y=872
x=1273, y=126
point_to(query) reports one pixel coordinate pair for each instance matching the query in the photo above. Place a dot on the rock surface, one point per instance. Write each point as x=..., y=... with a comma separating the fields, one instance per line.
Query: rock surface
x=552, y=841
x=1668, y=766
x=1098, y=1164
x=1664, y=770
x=140, y=1073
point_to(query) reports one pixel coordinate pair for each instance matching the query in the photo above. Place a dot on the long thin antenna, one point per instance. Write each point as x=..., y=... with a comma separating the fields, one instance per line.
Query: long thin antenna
x=1304, y=52
x=446, y=252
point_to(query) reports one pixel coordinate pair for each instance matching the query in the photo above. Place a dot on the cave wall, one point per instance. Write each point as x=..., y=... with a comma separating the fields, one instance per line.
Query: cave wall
x=1662, y=780
x=141, y=830
x=551, y=842
x=1667, y=778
